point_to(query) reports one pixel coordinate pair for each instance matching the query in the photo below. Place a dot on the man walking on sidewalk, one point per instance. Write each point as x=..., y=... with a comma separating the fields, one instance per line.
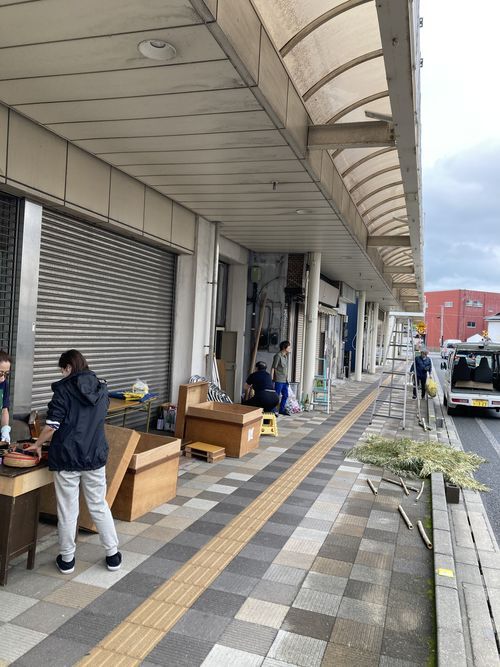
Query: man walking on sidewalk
x=279, y=373
x=422, y=367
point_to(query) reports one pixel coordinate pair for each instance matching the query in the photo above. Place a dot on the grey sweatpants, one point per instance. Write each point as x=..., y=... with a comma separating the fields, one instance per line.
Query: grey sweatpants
x=93, y=484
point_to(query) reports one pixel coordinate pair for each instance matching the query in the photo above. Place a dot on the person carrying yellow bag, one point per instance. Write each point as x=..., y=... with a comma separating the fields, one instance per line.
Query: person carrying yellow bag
x=431, y=387
x=422, y=369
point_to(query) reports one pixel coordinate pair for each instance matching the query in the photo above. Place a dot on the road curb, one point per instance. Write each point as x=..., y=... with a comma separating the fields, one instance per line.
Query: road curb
x=467, y=603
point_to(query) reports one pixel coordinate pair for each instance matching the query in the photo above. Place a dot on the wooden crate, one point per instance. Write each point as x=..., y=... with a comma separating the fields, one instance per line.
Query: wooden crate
x=202, y=450
x=189, y=394
x=122, y=443
x=151, y=477
x=232, y=426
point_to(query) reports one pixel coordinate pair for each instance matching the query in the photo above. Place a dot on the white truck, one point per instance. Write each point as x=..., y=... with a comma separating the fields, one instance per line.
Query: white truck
x=472, y=376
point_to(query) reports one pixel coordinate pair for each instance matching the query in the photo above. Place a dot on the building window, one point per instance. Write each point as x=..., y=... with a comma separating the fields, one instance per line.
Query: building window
x=474, y=304
x=471, y=325
x=448, y=304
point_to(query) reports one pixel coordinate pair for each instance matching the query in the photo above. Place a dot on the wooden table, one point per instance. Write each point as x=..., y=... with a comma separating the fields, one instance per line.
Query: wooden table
x=121, y=408
x=19, y=505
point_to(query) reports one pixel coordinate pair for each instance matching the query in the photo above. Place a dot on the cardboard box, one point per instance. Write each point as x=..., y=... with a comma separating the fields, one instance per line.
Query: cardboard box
x=150, y=479
x=232, y=426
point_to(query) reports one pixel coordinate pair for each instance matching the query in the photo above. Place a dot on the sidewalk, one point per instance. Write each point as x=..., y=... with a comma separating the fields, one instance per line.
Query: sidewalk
x=284, y=557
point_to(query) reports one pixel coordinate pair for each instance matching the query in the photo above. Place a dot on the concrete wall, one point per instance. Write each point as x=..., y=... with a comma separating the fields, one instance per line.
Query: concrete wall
x=36, y=163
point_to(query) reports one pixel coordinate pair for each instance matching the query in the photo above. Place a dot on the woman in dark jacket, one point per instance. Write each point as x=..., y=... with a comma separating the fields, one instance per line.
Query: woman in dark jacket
x=77, y=454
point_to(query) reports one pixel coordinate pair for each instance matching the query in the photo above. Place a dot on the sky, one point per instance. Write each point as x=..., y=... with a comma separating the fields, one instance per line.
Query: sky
x=461, y=144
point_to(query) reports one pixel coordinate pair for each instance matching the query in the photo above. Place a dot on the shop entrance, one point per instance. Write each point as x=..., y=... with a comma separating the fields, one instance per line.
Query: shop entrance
x=109, y=296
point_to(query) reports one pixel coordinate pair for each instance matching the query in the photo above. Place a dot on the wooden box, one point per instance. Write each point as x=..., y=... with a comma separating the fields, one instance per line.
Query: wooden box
x=122, y=444
x=151, y=477
x=232, y=426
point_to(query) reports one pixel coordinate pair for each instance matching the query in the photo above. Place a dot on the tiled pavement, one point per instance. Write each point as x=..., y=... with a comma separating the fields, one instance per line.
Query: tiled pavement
x=333, y=578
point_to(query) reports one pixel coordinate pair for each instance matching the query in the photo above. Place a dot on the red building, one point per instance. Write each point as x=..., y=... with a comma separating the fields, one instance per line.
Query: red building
x=457, y=314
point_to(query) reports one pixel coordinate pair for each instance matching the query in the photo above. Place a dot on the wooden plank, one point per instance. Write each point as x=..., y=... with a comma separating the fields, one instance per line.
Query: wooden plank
x=24, y=480
x=189, y=394
x=221, y=367
x=225, y=412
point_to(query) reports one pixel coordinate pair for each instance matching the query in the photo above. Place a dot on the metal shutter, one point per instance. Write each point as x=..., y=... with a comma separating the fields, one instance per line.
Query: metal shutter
x=299, y=341
x=8, y=291
x=108, y=296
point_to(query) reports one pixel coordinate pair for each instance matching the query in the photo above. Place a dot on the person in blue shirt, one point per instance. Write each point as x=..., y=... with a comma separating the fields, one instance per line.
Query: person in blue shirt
x=5, y=364
x=422, y=367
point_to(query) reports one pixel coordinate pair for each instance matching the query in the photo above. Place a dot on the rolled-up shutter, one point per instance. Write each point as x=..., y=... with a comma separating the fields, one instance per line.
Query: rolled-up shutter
x=108, y=296
x=299, y=341
x=8, y=292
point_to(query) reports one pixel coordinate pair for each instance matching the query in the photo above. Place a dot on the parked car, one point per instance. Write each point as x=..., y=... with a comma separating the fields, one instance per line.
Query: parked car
x=472, y=376
x=448, y=346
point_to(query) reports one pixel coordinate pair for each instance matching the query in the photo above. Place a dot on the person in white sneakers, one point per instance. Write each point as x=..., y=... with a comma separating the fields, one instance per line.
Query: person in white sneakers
x=77, y=454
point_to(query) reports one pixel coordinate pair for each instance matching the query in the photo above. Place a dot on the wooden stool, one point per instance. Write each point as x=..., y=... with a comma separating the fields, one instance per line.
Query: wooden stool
x=269, y=424
x=202, y=450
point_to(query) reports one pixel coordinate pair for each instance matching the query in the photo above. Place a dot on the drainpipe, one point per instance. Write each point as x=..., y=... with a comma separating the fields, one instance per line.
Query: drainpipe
x=359, y=335
x=373, y=358
x=311, y=323
x=213, y=313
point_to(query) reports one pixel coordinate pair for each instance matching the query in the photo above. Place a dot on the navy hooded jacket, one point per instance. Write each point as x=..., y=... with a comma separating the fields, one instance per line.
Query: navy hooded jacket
x=77, y=411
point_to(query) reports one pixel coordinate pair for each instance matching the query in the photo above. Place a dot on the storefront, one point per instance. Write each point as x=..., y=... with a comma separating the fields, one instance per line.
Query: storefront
x=110, y=296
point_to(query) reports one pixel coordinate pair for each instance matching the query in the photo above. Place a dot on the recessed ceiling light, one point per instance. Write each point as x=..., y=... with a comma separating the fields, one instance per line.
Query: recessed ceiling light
x=157, y=49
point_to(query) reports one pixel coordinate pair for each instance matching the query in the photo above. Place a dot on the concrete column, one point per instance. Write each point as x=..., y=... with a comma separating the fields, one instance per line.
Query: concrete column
x=373, y=357
x=387, y=333
x=236, y=318
x=31, y=215
x=359, y=336
x=368, y=336
x=192, y=309
x=311, y=323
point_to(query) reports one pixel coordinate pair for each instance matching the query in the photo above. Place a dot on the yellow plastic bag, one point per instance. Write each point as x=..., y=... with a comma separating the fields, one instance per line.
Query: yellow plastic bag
x=431, y=387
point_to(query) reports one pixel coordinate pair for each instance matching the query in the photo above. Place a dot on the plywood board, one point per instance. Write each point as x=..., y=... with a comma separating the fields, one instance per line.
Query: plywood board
x=189, y=394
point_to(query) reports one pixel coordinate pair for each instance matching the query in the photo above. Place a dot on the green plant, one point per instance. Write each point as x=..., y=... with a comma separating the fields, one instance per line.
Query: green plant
x=408, y=458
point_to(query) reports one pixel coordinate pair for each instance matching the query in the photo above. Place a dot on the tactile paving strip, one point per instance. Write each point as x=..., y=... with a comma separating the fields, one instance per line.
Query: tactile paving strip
x=133, y=639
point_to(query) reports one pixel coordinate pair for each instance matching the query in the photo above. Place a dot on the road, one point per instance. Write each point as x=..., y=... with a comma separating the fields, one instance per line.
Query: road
x=479, y=431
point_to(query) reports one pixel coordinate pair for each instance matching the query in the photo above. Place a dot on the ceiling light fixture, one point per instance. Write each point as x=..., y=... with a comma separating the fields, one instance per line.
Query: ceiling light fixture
x=157, y=49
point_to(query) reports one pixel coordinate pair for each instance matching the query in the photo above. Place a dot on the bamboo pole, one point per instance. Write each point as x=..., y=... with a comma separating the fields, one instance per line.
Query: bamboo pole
x=422, y=532
x=370, y=484
x=263, y=303
x=405, y=518
x=398, y=483
x=420, y=492
x=405, y=488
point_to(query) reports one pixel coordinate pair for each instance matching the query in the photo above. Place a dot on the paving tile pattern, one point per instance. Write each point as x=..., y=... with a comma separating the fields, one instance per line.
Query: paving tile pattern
x=312, y=587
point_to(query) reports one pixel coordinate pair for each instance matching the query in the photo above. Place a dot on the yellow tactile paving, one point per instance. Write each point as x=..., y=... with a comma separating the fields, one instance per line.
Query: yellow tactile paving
x=100, y=657
x=160, y=615
x=133, y=640
x=178, y=593
x=141, y=631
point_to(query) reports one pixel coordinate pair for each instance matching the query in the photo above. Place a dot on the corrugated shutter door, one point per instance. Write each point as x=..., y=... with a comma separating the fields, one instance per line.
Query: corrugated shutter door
x=8, y=232
x=108, y=296
x=299, y=341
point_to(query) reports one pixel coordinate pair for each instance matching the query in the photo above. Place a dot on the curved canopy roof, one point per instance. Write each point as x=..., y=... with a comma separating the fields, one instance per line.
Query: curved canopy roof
x=336, y=56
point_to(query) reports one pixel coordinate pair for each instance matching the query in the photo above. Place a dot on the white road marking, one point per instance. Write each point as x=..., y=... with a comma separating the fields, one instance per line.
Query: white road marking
x=489, y=435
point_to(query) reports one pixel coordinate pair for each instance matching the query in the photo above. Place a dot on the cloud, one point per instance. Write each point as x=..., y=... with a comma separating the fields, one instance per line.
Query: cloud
x=462, y=220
